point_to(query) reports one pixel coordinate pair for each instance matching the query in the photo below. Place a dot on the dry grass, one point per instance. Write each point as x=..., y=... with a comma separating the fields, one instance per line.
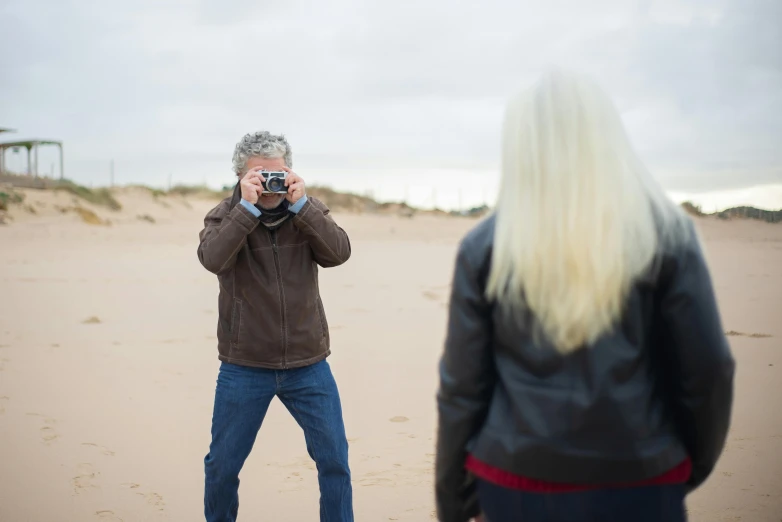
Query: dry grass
x=769, y=216
x=734, y=333
x=101, y=196
x=692, y=209
x=200, y=191
x=342, y=200
x=154, y=192
x=9, y=197
x=88, y=216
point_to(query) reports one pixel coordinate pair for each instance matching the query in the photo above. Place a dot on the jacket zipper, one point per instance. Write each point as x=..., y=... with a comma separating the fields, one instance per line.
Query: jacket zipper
x=282, y=299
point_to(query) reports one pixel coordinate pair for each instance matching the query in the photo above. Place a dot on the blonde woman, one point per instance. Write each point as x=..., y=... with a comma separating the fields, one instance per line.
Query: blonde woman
x=586, y=376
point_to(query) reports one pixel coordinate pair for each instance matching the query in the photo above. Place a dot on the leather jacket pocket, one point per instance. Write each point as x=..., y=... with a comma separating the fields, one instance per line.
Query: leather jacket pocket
x=322, y=316
x=236, y=320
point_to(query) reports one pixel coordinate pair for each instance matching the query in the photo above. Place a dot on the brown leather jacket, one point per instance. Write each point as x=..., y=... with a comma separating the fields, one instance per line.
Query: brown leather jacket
x=270, y=311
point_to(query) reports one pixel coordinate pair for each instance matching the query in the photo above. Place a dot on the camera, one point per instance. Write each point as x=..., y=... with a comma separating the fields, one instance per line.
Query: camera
x=275, y=182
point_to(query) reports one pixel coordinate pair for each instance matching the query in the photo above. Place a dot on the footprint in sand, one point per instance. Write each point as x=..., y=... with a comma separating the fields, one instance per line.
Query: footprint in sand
x=432, y=296
x=292, y=482
x=399, y=419
x=108, y=515
x=365, y=458
x=2, y=363
x=409, y=474
x=92, y=320
x=48, y=432
x=84, y=481
x=152, y=499
x=104, y=450
x=3, y=401
x=299, y=463
x=375, y=481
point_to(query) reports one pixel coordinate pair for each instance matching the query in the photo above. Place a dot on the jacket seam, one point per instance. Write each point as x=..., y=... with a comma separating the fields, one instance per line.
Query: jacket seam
x=239, y=326
x=249, y=221
x=323, y=241
x=305, y=210
x=321, y=317
x=230, y=219
x=285, y=323
x=278, y=246
x=278, y=274
x=231, y=344
x=303, y=362
x=319, y=301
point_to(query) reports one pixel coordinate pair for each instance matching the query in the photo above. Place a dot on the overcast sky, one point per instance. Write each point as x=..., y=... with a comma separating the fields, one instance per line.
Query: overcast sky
x=169, y=87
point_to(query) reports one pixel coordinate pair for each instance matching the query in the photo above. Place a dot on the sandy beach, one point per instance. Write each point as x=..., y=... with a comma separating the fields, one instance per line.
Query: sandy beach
x=108, y=364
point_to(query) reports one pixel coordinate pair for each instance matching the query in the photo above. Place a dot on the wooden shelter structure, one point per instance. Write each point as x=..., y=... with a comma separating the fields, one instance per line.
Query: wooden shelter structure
x=32, y=153
x=2, y=153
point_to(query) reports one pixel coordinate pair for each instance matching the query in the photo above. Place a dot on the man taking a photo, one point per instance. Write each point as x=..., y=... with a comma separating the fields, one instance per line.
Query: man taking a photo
x=273, y=338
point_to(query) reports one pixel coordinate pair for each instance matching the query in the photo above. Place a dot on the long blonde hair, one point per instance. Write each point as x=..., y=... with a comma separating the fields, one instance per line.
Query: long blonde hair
x=578, y=219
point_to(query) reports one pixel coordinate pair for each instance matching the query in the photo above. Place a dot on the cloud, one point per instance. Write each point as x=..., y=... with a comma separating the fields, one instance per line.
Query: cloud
x=716, y=80
x=164, y=86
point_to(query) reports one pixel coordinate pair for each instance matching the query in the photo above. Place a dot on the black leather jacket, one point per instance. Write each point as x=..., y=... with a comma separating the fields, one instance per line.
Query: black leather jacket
x=645, y=396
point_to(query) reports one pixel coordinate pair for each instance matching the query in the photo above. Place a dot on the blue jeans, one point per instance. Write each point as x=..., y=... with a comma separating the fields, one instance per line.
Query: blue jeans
x=663, y=503
x=242, y=398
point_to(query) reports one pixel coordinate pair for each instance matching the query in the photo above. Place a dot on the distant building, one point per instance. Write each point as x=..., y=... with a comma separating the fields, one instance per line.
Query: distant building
x=32, y=153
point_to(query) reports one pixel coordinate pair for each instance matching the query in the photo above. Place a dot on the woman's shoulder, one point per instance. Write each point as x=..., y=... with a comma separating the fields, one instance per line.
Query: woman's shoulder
x=475, y=248
x=679, y=244
x=480, y=236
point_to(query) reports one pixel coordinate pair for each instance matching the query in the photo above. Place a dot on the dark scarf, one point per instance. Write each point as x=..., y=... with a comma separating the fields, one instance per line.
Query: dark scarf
x=271, y=218
x=274, y=218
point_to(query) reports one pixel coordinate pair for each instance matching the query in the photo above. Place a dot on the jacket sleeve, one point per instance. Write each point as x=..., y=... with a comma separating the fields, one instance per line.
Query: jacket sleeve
x=701, y=362
x=223, y=236
x=330, y=244
x=467, y=380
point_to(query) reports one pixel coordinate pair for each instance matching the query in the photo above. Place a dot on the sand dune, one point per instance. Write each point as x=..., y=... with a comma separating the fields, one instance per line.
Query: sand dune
x=108, y=367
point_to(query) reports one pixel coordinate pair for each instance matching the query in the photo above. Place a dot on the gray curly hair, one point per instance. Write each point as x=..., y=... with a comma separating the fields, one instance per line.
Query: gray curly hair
x=263, y=144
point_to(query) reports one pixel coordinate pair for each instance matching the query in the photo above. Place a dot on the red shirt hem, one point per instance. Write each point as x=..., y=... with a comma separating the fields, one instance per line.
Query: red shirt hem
x=677, y=475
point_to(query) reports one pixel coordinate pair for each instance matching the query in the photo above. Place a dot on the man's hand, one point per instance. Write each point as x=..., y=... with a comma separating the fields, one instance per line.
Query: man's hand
x=251, y=185
x=295, y=186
